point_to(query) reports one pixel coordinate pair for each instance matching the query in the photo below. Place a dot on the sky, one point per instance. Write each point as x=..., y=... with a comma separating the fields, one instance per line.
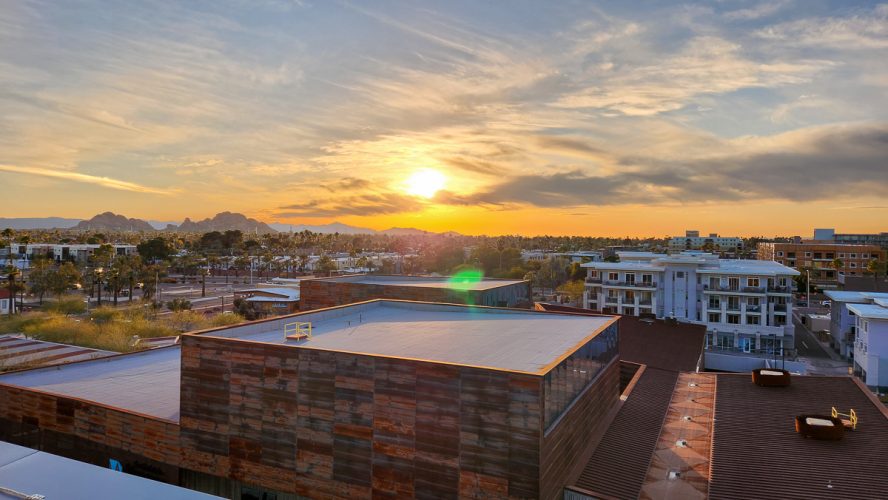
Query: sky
x=606, y=118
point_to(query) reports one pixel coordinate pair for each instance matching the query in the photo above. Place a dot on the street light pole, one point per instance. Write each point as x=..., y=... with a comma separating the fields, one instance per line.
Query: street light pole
x=808, y=287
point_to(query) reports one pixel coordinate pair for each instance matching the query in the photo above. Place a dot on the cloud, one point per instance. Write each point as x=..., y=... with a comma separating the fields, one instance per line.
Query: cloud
x=814, y=164
x=361, y=205
x=763, y=9
x=85, y=178
x=864, y=30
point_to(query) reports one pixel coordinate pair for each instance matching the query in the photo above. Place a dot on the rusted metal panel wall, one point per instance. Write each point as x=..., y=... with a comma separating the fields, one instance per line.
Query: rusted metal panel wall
x=358, y=425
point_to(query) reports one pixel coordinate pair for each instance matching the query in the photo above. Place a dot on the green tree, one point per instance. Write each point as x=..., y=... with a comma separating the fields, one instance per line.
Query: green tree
x=573, y=289
x=64, y=278
x=155, y=250
x=12, y=273
x=40, y=277
x=326, y=265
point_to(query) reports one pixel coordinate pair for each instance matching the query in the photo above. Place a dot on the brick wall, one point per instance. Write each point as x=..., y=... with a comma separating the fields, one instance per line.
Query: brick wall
x=319, y=293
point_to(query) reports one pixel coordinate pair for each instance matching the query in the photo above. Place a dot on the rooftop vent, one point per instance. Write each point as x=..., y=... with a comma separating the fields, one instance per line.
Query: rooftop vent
x=674, y=474
x=681, y=443
x=687, y=418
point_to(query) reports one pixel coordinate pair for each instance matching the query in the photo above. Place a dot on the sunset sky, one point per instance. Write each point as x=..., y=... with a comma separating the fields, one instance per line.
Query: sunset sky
x=599, y=118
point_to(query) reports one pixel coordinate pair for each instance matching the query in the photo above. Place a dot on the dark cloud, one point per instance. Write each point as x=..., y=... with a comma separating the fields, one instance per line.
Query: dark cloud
x=347, y=183
x=824, y=163
x=366, y=204
x=569, y=145
x=476, y=166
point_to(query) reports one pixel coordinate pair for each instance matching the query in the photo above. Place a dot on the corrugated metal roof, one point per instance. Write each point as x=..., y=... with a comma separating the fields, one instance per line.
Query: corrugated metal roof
x=16, y=351
x=620, y=463
x=756, y=452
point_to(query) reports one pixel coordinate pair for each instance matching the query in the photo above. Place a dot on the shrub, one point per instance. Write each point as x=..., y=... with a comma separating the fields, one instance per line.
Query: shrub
x=179, y=305
x=67, y=305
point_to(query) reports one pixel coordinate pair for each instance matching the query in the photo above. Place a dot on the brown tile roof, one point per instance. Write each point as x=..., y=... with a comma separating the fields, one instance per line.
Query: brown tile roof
x=620, y=462
x=756, y=452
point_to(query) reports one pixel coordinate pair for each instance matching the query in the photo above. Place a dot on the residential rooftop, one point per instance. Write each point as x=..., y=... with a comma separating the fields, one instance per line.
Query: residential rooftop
x=848, y=296
x=518, y=340
x=719, y=436
x=869, y=311
x=449, y=282
x=706, y=263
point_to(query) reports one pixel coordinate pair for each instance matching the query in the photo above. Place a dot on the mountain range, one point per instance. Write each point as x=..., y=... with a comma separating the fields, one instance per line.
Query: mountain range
x=109, y=221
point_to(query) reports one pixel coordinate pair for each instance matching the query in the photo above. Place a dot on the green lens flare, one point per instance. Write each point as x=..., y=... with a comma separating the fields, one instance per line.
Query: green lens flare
x=465, y=279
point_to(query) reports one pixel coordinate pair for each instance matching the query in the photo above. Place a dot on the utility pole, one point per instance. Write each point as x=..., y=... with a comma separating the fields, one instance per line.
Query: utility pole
x=808, y=285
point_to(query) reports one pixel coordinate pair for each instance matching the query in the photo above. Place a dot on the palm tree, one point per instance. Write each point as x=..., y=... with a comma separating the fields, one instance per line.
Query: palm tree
x=11, y=273
x=876, y=267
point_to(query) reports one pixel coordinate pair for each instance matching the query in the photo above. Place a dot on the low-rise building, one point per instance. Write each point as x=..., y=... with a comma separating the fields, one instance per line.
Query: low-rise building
x=384, y=398
x=328, y=292
x=712, y=243
x=843, y=321
x=870, y=340
x=23, y=254
x=745, y=304
x=271, y=300
x=6, y=303
x=821, y=259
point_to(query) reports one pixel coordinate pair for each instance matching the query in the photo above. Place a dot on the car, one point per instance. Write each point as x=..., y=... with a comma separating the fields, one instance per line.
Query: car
x=826, y=303
x=801, y=304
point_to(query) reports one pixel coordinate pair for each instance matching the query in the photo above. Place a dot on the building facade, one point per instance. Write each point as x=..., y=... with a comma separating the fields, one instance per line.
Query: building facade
x=713, y=243
x=22, y=254
x=329, y=292
x=820, y=259
x=843, y=321
x=745, y=304
x=880, y=239
x=871, y=343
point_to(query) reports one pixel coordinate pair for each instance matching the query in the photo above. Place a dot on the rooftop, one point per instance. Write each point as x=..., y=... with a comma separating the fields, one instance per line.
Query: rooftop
x=738, y=440
x=519, y=340
x=846, y=296
x=16, y=350
x=33, y=472
x=505, y=339
x=283, y=292
x=144, y=382
x=869, y=311
x=424, y=281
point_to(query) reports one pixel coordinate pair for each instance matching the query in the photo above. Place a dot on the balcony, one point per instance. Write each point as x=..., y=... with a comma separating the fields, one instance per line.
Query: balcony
x=779, y=289
x=733, y=308
x=780, y=308
x=611, y=300
x=753, y=309
x=633, y=284
x=753, y=289
x=645, y=302
x=714, y=307
x=593, y=280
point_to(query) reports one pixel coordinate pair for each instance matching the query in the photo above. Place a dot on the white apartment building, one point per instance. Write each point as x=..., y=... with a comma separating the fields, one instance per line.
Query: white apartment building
x=746, y=305
x=21, y=254
x=843, y=321
x=693, y=241
x=871, y=343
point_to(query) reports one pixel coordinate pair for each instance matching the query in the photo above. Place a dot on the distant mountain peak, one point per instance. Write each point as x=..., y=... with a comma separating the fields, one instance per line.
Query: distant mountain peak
x=109, y=221
x=226, y=221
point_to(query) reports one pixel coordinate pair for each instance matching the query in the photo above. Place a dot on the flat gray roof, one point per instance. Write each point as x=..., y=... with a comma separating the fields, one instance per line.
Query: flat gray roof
x=145, y=382
x=424, y=281
x=33, y=472
x=506, y=339
x=148, y=382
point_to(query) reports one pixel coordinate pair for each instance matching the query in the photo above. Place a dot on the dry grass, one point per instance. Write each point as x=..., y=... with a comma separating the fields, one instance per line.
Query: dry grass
x=108, y=329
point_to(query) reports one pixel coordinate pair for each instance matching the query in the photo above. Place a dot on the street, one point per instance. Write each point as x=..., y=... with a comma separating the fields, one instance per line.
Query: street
x=806, y=343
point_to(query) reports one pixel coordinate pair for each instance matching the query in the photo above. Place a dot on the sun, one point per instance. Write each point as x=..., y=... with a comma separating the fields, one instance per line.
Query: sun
x=425, y=183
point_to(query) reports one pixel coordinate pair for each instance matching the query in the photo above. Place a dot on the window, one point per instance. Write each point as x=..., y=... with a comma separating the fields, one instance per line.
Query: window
x=714, y=282
x=754, y=282
x=733, y=303
x=830, y=255
x=752, y=319
x=808, y=254
x=818, y=255
x=779, y=254
x=613, y=276
x=791, y=255
x=630, y=296
x=679, y=274
x=630, y=278
x=714, y=303
x=733, y=283
x=647, y=279
x=853, y=255
x=593, y=273
x=853, y=265
x=715, y=318
x=726, y=341
x=629, y=311
x=864, y=256
x=841, y=256
x=733, y=319
x=752, y=301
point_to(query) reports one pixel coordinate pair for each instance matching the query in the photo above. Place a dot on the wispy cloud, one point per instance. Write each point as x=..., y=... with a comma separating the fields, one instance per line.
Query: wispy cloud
x=84, y=178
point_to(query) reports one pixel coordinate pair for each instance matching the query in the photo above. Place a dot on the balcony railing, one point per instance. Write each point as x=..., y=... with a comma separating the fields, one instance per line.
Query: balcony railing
x=733, y=308
x=754, y=309
x=645, y=302
x=754, y=289
x=768, y=352
x=779, y=289
x=610, y=300
x=641, y=284
x=593, y=280
x=714, y=307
